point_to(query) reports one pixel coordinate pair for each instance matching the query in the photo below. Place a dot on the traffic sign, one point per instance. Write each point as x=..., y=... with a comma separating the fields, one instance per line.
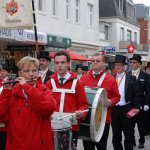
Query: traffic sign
x=131, y=48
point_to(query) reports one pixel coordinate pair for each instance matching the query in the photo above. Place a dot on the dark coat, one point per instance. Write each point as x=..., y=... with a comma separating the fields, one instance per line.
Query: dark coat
x=132, y=91
x=49, y=73
x=144, y=87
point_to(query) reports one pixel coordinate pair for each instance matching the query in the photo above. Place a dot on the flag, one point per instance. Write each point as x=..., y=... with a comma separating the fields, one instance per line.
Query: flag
x=16, y=14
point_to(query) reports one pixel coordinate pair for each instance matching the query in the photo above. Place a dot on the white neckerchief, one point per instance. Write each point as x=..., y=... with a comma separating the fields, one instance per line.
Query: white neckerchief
x=120, y=75
x=121, y=89
x=79, y=76
x=136, y=73
x=43, y=74
x=67, y=76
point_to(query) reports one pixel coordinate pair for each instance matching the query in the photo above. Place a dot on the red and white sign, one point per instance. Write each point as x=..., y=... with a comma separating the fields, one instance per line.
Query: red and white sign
x=131, y=48
x=16, y=14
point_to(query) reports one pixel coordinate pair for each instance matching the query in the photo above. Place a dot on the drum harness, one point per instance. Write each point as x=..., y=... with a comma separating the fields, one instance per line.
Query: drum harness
x=63, y=92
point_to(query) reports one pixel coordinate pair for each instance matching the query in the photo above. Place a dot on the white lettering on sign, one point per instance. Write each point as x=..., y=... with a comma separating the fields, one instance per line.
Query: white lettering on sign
x=7, y=34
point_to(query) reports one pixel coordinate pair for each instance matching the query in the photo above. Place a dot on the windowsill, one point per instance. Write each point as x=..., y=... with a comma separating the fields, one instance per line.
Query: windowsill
x=42, y=13
x=90, y=27
x=55, y=16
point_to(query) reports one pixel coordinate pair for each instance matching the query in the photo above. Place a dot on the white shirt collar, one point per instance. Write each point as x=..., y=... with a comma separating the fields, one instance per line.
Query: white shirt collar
x=43, y=72
x=67, y=76
x=121, y=74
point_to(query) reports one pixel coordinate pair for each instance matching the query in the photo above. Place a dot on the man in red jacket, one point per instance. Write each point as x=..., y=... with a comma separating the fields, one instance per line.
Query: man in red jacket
x=92, y=79
x=68, y=91
x=27, y=106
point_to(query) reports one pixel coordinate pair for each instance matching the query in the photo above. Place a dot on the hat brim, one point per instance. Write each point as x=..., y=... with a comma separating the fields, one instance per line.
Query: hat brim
x=48, y=58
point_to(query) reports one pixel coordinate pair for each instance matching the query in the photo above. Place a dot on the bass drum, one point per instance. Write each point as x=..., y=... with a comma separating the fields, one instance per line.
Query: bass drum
x=92, y=127
x=62, y=135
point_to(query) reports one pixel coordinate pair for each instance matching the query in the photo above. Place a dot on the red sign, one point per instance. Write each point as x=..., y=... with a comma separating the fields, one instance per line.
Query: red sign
x=131, y=49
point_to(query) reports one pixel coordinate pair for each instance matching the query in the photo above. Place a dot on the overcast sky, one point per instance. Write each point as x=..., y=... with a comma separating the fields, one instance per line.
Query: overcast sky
x=146, y=2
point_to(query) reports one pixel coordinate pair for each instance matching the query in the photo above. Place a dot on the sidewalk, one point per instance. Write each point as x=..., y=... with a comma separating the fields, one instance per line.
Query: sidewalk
x=110, y=146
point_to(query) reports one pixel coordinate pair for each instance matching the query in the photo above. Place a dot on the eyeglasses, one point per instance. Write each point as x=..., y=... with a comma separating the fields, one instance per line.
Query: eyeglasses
x=28, y=71
x=95, y=61
x=133, y=62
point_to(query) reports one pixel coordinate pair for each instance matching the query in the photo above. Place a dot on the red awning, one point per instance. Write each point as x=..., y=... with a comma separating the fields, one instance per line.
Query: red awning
x=73, y=56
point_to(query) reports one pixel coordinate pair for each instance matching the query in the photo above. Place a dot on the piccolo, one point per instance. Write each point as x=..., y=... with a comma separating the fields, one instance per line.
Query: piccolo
x=14, y=82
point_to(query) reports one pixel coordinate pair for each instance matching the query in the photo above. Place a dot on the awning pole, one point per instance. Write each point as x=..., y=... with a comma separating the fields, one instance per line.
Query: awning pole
x=35, y=28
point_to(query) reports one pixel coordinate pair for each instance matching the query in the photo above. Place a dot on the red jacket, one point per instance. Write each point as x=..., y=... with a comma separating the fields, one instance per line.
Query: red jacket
x=73, y=101
x=3, y=125
x=109, y=84
x=28, y=114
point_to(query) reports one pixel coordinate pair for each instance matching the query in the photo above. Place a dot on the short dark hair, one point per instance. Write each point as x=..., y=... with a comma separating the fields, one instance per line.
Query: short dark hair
x=62, y=53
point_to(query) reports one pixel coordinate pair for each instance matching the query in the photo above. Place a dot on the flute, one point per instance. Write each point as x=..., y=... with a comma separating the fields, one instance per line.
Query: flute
x=14, y=82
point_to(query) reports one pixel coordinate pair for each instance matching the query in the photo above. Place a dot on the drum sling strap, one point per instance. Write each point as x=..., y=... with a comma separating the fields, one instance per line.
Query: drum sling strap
x=63, y=92
x=101, y=80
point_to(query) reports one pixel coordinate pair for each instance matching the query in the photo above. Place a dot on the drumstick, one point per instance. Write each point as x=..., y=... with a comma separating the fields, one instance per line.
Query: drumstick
x=86, y=110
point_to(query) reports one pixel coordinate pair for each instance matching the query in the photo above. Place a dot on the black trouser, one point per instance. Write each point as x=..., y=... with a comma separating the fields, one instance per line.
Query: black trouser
x=75, y=136
x=120, y=122
x=2, y=140
x=140, y=119
x=102, y=144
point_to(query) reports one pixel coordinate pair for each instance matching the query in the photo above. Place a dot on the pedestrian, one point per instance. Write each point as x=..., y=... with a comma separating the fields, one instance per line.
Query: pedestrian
x=85, y=69
x=62, y=83
x=129, y=100
x=147, y=68
x=44, y=60
x=91, y=79
x=144, y=90
x=26, y=107
x=79, y=70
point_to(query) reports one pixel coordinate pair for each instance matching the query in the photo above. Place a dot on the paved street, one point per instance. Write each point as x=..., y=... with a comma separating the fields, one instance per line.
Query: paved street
x=110, y=147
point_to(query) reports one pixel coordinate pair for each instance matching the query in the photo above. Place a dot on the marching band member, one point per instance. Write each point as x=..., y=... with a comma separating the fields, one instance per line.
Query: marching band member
x=27, y=107
x=144, y=86
x=129, y=100
x=44, y=61
x=96, y=77
x=68, y=91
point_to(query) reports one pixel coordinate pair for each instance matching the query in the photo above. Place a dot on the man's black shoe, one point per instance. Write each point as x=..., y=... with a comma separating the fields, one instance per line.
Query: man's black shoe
x=141, y=146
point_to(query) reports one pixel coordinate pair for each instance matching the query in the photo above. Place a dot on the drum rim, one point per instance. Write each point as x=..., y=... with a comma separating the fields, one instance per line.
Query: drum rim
x=62, y=129
x=96, y=135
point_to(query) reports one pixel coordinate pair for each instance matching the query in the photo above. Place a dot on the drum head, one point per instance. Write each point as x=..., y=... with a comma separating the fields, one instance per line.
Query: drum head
x=60, y=125
x=98, y=115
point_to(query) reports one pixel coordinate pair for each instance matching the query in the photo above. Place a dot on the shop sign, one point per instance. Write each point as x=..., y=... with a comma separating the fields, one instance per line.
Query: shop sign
x=58, y=41
x=7, y=34
x=29, y=36
x=108, y=50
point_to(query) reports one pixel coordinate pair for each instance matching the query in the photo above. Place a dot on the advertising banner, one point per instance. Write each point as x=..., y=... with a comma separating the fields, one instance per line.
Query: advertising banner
x=16, y=14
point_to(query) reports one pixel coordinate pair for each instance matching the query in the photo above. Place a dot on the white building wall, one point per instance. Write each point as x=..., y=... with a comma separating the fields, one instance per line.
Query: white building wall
x=78, y=32
x=116, y=25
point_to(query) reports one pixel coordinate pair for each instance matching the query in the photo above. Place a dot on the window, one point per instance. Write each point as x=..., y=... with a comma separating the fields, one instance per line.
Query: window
x=54, y=7
x=106, y=32
x=77, y=10
x=67, y=14
x=41, y=5
x=128, y=35
x=135, y=37
x=90, y=15
x=122, y=34
x=121, y=5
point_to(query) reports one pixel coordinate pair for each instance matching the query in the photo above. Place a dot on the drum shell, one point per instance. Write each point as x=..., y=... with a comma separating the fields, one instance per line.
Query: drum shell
x=92, y=127
x=62, y=135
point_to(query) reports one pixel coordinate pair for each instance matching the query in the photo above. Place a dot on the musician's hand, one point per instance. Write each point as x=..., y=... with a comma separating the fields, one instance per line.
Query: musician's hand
x=108, y=103
x=78, y=114
x=136, y=111
x=7, y=86
x=21, y=80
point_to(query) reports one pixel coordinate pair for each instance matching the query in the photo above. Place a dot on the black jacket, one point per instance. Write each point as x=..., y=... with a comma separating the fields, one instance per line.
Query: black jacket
x=47, y=77
x=132, y=91
x=144, y=87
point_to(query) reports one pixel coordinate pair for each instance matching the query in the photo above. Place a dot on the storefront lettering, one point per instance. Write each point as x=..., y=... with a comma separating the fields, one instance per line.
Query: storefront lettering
x=5, y=33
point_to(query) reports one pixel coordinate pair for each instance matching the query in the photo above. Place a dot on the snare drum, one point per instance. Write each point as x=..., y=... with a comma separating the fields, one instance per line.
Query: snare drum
x=62, y=135
x=92, y=127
